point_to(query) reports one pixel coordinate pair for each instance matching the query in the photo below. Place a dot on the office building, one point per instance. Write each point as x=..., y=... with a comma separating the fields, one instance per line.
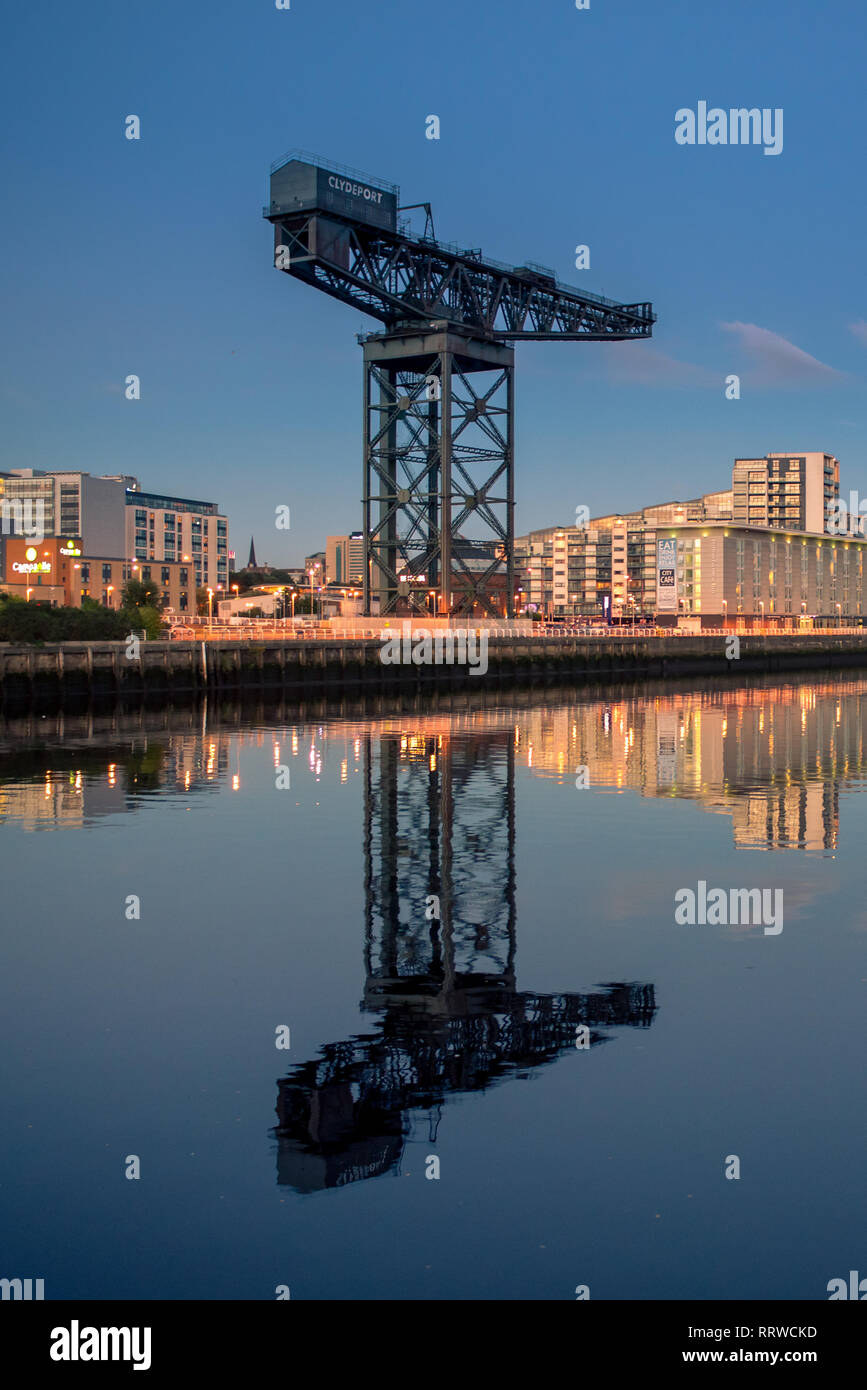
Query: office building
x=344, y=559
x=39, y=503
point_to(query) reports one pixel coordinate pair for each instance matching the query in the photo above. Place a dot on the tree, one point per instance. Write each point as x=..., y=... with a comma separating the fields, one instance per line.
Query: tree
x=202, y=602
x=35, y=622
x=145, y=617
x=140, y=593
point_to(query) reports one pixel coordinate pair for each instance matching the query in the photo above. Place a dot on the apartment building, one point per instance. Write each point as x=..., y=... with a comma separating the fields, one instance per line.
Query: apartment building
x=165, y=530
x=794, y=491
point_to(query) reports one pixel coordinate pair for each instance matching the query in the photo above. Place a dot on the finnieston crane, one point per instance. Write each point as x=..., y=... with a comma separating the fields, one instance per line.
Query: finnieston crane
x=438, y=490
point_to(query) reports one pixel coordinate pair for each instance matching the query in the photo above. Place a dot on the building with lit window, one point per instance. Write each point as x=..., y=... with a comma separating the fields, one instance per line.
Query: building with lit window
x=119, y=532
x=58, y=571
x=164, y=530
x=782, y=565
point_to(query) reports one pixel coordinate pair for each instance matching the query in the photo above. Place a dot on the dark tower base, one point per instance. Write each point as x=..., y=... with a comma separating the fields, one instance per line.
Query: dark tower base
x=438, y=474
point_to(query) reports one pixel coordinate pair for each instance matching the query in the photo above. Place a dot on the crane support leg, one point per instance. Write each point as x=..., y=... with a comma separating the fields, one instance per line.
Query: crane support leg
x=438, y=502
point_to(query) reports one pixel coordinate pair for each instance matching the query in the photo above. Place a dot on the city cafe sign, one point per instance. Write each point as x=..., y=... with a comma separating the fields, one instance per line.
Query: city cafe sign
x=31, y=564
x=70, y=548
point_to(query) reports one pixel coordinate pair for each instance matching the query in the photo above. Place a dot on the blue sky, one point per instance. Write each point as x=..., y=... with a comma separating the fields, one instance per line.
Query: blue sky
x=557, y=128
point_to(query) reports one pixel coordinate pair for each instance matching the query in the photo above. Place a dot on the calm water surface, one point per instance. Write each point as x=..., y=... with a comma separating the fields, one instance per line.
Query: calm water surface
x=414, y=1036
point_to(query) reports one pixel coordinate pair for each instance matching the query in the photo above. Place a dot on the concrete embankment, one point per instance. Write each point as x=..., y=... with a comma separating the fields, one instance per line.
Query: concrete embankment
x=70, y=674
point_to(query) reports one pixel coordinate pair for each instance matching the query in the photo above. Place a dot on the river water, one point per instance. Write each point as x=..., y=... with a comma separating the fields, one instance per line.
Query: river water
x=379, y=1003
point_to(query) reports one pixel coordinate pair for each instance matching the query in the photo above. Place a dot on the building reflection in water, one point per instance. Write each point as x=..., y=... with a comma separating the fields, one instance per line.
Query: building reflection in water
x=438, y=792
x=774, y=759
x=439, y=948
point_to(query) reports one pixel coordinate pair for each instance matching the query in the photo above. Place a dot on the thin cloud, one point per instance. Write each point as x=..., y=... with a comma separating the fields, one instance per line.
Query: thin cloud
x=859, y=329
x=643, y=363
x=779, y=362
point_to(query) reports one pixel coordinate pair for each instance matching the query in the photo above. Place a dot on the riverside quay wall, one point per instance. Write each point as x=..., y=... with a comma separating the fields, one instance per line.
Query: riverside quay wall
x=70, y=674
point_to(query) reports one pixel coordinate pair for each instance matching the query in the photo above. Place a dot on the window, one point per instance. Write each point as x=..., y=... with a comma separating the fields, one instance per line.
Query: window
x=106, y=574
x=164, y=574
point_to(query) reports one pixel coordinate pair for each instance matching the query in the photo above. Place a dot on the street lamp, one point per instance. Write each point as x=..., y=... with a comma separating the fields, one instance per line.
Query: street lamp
x=110, y=591
x=839, y=615
x=312, y=573
x=762, y=607
x=210, y=608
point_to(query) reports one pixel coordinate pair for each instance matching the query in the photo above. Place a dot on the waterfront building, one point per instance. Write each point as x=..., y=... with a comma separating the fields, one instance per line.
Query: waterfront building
x=113, y=521
x=69, y=503
x=58, y=571
x=721, y=571
x=794, y=491
x=163, y=529
x=759, y=552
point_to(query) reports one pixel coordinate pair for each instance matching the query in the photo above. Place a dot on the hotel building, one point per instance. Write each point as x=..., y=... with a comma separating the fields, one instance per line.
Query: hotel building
x=57, y=571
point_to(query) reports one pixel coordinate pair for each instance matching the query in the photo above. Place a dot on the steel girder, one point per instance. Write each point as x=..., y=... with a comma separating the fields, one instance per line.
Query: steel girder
x=438, y=500
x=408, y=280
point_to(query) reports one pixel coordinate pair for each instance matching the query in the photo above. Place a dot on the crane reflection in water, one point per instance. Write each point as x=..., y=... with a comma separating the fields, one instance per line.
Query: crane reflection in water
x=439, y=949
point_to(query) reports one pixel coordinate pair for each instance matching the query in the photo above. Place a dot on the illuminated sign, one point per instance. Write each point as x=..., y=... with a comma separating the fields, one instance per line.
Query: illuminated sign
x=30, y=552
x=70, y=549
x=666, y=576
x=40, y=567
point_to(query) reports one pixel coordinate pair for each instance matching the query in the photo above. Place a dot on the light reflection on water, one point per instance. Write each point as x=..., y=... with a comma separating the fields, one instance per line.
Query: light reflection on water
x=441, y=865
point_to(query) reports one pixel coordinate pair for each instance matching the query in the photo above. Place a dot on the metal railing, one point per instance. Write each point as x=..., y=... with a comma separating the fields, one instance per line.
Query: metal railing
x=288, y=630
